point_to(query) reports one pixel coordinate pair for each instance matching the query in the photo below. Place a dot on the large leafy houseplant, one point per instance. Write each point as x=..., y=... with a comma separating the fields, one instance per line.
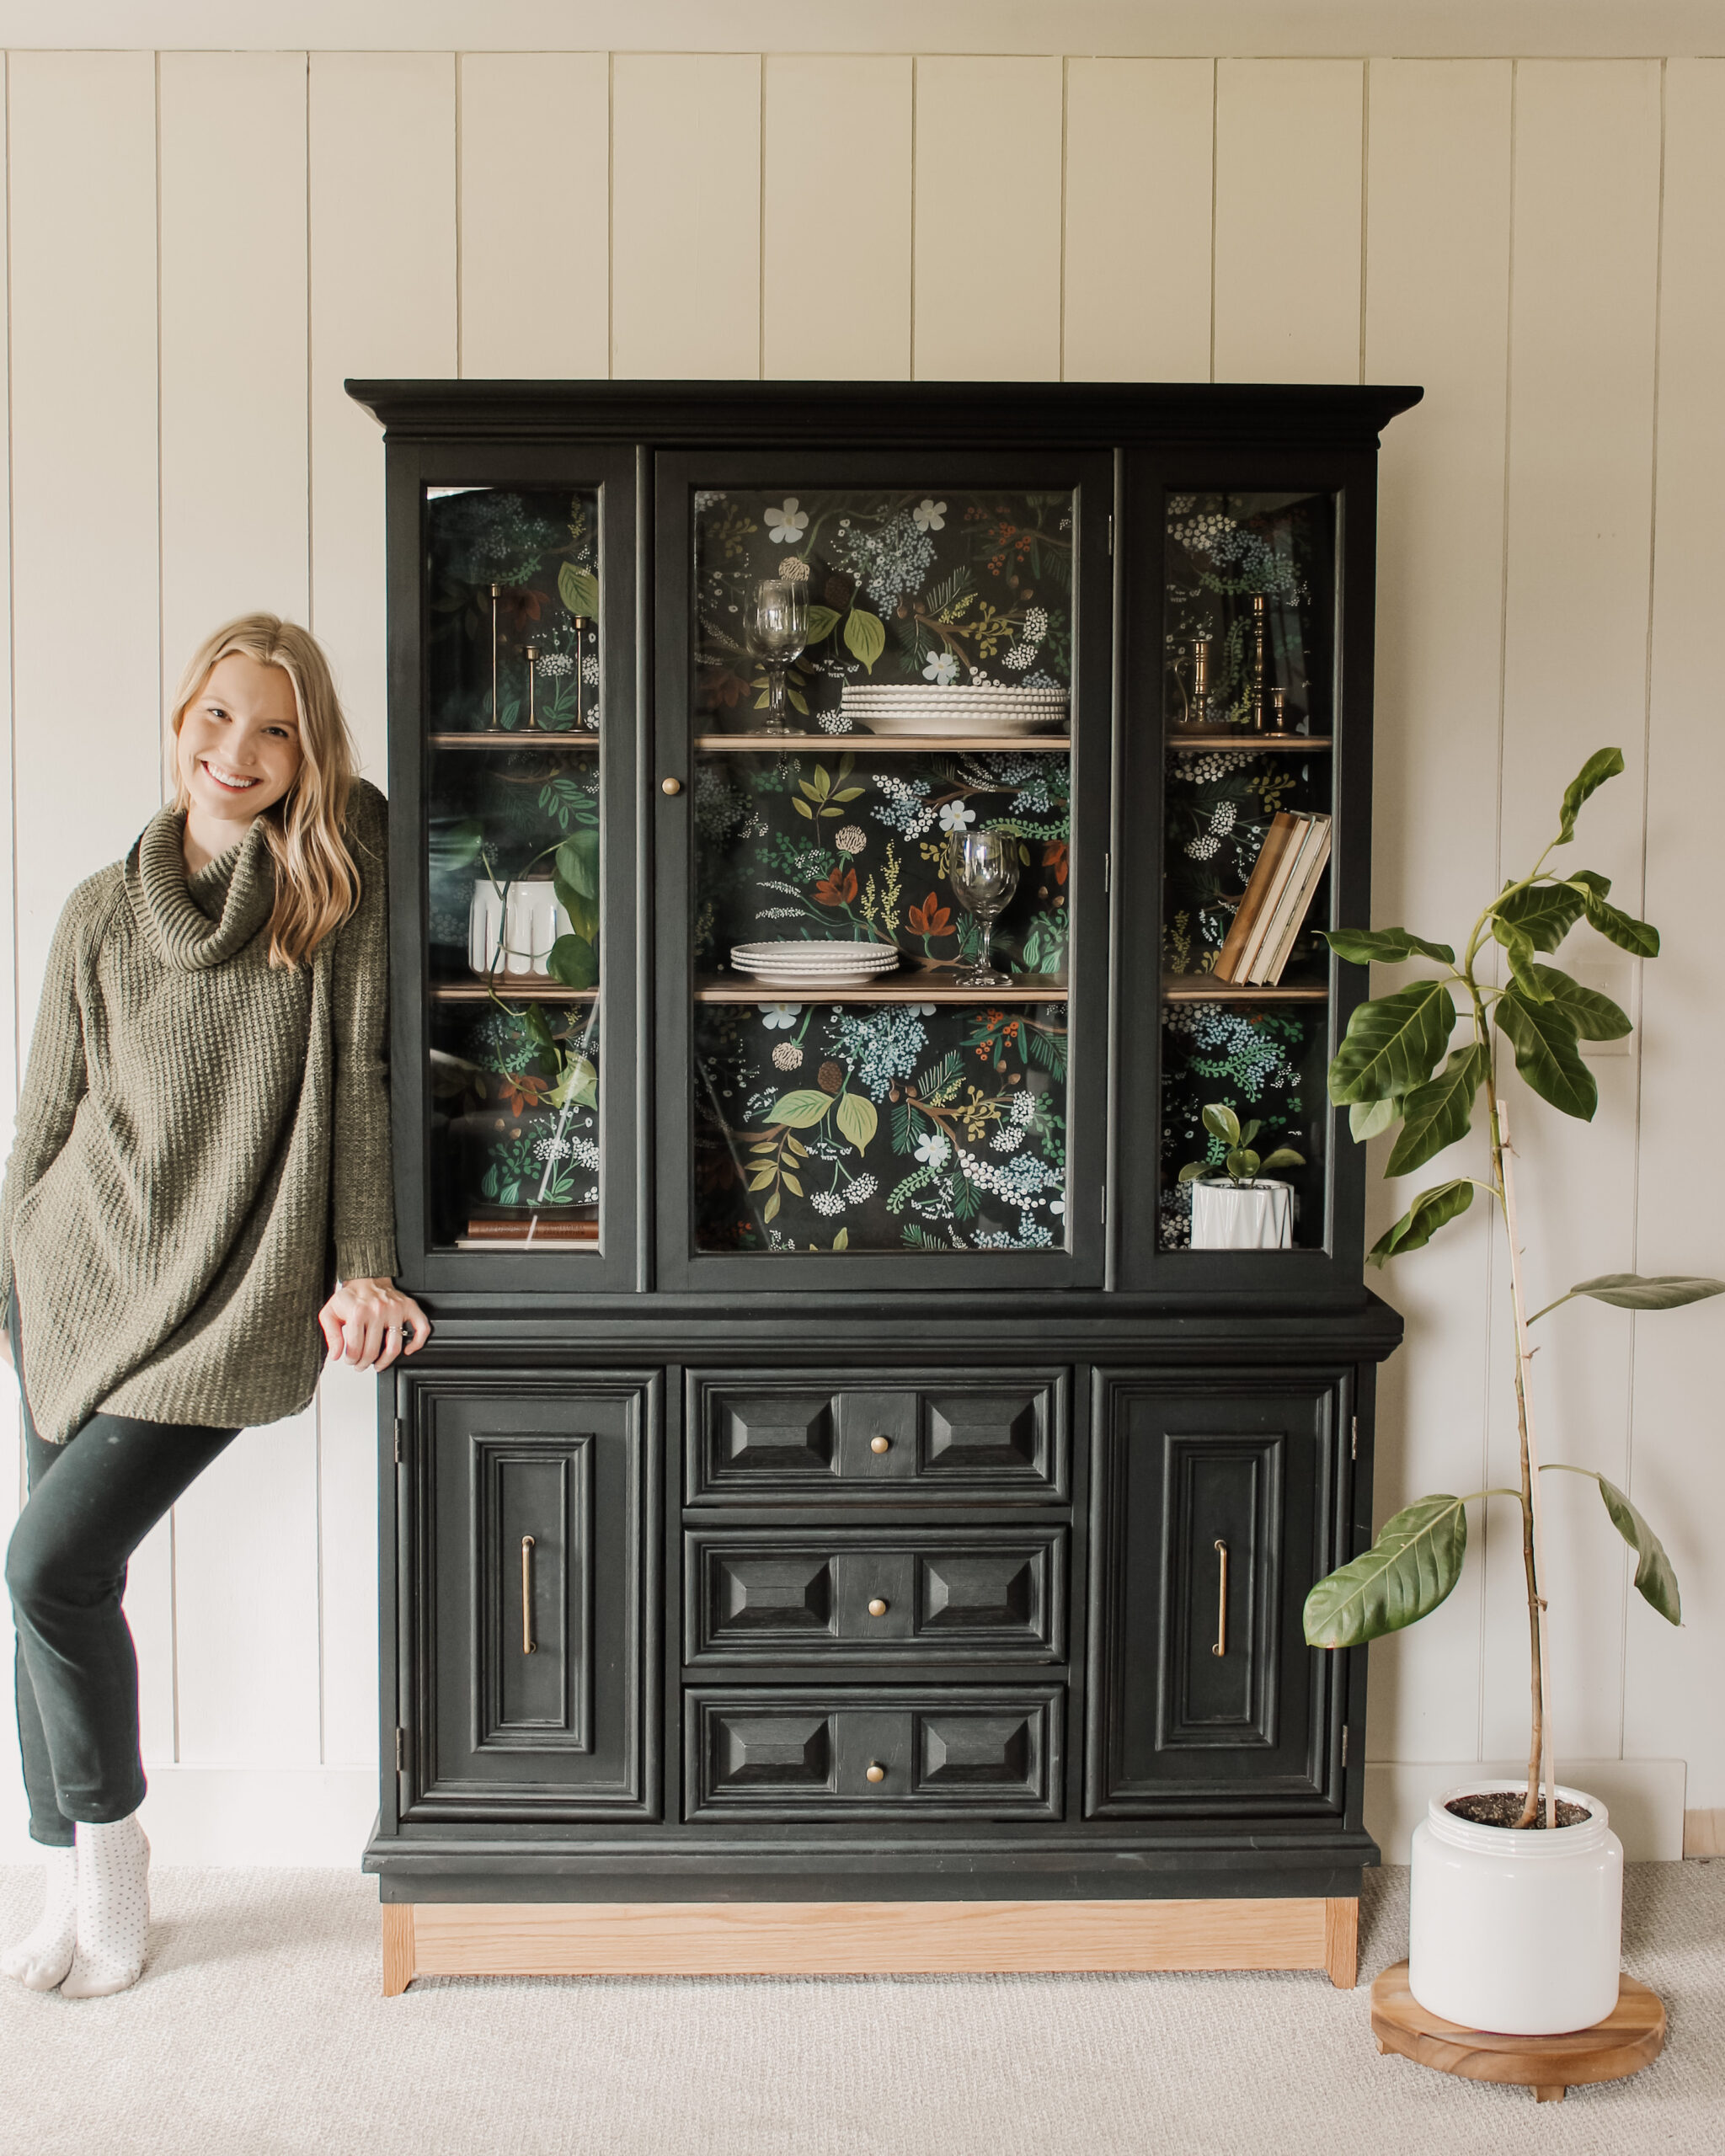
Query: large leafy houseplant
x=1401, y=1068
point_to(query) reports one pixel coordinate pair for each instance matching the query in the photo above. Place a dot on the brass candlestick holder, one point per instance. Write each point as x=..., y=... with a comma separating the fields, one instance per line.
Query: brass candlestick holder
x=496, y=725
x=1279, y=710
x=1258, y=635
x=531, y=656
x=1200, y=680
x=580, y=661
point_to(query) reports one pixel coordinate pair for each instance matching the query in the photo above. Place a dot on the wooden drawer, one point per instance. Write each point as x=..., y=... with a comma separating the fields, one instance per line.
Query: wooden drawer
x=797, y=1752
x=768, y=1436
x=931, y=1595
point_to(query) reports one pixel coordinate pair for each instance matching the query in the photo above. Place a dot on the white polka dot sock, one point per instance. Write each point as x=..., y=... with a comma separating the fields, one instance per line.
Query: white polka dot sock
x=41, y=1958
x=113, y=1908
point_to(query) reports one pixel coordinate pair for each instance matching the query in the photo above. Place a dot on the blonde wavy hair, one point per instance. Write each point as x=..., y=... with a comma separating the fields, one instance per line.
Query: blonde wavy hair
x=316, y=879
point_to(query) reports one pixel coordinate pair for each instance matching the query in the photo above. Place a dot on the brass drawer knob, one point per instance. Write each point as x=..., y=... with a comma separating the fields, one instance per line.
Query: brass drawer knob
x=876, y=1608
x=670, y=786
x=876, y=1772
x=880, y=1444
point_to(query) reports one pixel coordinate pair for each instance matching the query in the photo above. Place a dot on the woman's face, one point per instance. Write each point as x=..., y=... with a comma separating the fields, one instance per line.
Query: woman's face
x=239, y=749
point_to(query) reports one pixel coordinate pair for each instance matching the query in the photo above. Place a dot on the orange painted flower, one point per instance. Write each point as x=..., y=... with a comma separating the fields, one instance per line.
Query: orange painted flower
x=522, y=1093
x=837, y=890
x=931, y=918
x=1054, y=858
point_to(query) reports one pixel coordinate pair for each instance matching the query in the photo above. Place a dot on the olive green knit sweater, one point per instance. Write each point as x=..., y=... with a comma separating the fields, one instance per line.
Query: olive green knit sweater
x=203, y=1139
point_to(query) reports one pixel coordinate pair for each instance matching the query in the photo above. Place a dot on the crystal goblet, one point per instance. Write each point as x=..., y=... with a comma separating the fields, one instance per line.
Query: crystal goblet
x=983, y=869
x=776, y=631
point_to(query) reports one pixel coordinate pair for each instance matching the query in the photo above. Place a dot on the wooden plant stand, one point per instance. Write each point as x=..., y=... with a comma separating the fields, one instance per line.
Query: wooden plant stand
x=586, y=1939
x=1629, y=2037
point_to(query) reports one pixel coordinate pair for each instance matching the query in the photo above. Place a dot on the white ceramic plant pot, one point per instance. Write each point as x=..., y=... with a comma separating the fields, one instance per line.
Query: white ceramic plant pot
x=1243, y=1216
x=514, y=935
x=1513, y=1930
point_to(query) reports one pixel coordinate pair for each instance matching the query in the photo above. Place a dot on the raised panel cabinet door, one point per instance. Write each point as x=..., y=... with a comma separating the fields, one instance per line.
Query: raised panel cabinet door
x=531, y=1512
x=768, y=1437
x=787, y=1753
x=1212, y=1514
x=925, y=1594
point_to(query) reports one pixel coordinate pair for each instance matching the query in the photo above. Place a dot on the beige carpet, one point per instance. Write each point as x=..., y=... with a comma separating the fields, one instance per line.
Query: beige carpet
x=257, y=2030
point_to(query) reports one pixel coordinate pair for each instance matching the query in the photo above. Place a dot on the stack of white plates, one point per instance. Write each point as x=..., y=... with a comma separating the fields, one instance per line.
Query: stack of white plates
x=813, y=967
x=928, y=708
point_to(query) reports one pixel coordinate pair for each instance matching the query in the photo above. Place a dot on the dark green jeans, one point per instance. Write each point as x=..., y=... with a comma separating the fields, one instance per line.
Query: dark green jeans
x=91, y=1501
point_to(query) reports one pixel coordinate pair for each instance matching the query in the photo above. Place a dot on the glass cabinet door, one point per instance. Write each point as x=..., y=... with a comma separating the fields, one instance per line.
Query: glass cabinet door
x=1246, y=721
x=881, y=919
x=518, y=686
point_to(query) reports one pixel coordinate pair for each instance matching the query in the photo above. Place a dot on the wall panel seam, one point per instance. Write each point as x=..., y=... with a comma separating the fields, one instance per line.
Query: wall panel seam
x=1215, y=81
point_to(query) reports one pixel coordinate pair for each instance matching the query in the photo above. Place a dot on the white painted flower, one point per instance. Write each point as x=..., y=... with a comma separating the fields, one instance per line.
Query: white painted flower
x=779, y=1017
x=931, y=1150
x=942, y=668
x=786, y=525
x=921, y=1010
x=850, y=840
x=930, y=516
x=862, y=1186
x=1058, y=1207
x=954, y=816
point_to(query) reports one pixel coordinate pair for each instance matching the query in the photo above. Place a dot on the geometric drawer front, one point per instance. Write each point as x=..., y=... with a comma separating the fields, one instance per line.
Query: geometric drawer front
x=771, y=1436
x=929, y=1594
x=795, y=1752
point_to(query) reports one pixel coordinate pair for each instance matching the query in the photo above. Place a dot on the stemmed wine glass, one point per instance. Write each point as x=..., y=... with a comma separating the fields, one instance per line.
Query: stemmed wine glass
x=776, y=629
x=982, y=867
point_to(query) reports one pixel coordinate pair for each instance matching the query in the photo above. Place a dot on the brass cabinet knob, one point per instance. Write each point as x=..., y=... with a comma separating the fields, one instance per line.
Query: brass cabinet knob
x=876, y=1608
x=876, y=1772
x=670, y=786
x=880, y=1444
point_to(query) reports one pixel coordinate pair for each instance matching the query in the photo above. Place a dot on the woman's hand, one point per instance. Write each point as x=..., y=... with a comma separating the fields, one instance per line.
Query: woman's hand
x=370, y=1322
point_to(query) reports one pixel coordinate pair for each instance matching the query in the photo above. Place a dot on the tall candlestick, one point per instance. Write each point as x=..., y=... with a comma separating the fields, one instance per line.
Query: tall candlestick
x=532, y=657
x=496, y=725
x=1257, y=630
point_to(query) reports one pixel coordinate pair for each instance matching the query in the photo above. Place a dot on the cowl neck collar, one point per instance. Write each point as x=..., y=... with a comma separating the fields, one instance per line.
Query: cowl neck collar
x=199, y=920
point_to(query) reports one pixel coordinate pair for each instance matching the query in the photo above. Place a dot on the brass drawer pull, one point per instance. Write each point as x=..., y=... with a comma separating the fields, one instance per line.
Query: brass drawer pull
x=876, y=1608
x=529, y=1645
x=875, y=1772
x=880, y=1444
x=1221, y=1644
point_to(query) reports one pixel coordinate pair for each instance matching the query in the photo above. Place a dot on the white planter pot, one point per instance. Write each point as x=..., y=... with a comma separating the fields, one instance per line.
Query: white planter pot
x=1243, y=1216
x=514, y=935
x=1511, y=1931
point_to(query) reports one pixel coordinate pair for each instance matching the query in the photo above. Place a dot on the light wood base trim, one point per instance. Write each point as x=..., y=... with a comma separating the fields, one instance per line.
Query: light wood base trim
x=1342, y=1941
x=1631, y=2036
x=581, y=1939
x=397, y=1948
x=1704, y=1833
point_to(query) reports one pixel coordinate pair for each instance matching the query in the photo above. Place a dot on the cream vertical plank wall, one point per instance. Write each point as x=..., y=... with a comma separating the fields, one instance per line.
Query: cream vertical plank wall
x=1437, y=301
x=1490, y=228
x=534, y=165
x=835, y=219
x=1141, y=139
x=1580, y=507
x=12, y=1811
x=1288, y=195
x=686, y=215
x=1678, y=1464
x=990, y=141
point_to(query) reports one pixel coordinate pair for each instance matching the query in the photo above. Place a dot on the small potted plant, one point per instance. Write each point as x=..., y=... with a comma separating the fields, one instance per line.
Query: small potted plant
x=1240, y=1208
x=1515, y=1919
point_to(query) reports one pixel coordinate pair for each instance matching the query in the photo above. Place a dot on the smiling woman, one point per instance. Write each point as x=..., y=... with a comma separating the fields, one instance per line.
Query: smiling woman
x=201, y=1156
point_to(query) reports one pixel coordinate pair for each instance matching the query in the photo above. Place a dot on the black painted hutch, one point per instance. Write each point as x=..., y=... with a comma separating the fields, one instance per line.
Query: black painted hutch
x=835, y=1476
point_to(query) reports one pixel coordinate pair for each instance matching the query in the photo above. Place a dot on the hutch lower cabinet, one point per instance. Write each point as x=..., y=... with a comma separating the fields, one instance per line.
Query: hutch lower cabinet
x=859, y=1043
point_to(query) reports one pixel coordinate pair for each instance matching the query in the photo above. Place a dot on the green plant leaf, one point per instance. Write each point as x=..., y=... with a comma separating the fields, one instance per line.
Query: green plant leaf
x=580, y=1083
x=1361, y=946
x=573, y=961
x=1517, y=948
x=790, y=1182
x=1194, y=1169
x=1621, y=928
x=454, y=846
x=1595, y=1017
x=1655, y=1291
x=1603, y=764
x=842, y=1241
x=1248, y=1131
x=1368, y=1118
x=1589, y=879
x=857, y=1120
x=1284, y=1157
x=578, y=862
x=800, y=1110
x=1408, y=1571
x=1221, y=1121
x=769, y=1212
x=1654, y=1576
x=537, y=1027
x=1546, y=1053
x=801, y=807
x=1432, y=1209
x=865, y=636
x=822, y=621
x=1435, y=1115
x=583, y=912
x=1394, y=1043
x=1545, y=913
x=1242, y=1163
x=579, y=590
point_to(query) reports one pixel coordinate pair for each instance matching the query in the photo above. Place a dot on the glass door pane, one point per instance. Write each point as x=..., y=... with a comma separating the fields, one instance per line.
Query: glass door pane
x=513, y=827
x=1248, y=711
x=882, y=687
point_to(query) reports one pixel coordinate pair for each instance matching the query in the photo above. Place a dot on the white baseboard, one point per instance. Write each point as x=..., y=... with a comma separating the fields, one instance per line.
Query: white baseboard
x=1643, y=1796
x=235, y=1817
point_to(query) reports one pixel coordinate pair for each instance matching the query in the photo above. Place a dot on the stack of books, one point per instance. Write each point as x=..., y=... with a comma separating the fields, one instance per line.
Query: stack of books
x=537, y=1231
x=1295, y=853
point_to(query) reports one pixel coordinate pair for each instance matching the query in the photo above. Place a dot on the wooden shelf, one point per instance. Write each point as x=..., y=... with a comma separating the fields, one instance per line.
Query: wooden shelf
x=521, y=988
x=933, y=987
x=891, y=745
x=1199, y=988
x=519, y=739
x=1237, y=737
